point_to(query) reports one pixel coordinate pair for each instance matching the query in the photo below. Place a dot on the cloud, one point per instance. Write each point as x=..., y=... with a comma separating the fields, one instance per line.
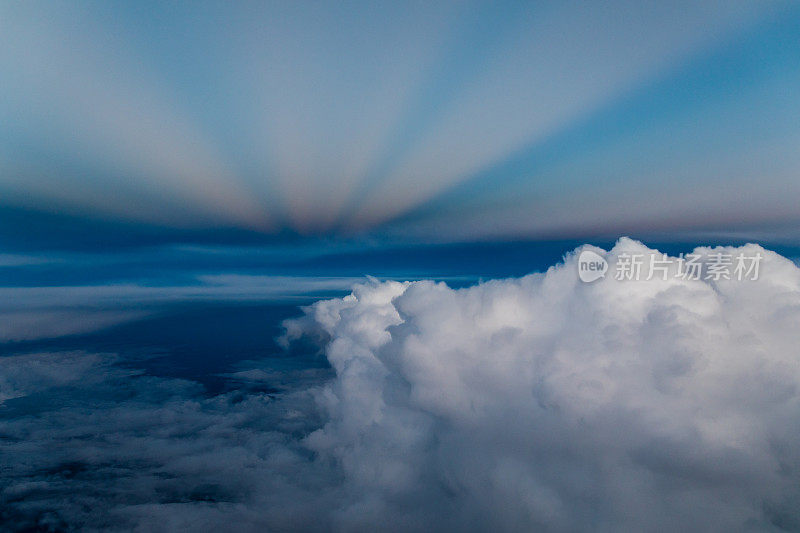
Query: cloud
x=87, y=444
x=41, y=312
x=24, y=375
x=32, y=324
x=14, y=260
x=538, y=403
x=216, y=286
x=544, y=402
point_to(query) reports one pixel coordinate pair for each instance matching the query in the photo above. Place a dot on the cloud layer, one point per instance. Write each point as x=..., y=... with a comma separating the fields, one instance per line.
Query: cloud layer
x=538, y=403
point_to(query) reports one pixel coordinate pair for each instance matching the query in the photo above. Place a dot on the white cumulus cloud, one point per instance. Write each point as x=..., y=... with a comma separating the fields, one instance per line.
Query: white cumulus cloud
x=548, y=403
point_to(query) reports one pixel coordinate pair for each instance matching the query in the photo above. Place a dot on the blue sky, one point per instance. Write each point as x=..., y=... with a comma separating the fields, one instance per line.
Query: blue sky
x=313, y=266
x=411, y=121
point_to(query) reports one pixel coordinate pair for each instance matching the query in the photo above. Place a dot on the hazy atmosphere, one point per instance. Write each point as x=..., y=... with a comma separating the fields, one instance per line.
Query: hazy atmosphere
x=399, y=266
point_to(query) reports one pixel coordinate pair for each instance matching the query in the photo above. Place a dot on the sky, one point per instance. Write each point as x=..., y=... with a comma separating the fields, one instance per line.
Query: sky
x=317, y=266
x=145, y=122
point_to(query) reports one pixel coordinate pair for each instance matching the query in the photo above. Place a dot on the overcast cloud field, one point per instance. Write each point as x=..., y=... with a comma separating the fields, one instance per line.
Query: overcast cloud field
x=401, y=266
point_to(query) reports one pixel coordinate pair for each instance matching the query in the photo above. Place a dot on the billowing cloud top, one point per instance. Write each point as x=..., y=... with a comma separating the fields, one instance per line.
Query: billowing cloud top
x=544, y=402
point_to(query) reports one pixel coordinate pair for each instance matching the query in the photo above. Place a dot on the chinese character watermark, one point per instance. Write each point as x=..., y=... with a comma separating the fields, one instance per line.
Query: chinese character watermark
x=647, y=266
